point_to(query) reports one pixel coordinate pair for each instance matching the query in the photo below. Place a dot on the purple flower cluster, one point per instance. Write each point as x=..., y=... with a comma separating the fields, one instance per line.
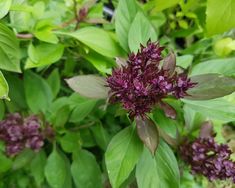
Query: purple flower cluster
x=143, y=82
x=208, y=158
x=19, y=133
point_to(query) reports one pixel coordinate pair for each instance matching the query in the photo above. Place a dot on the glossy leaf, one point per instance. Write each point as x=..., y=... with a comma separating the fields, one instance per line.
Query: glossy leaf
x=160, y=170
x=43, y=54
x=125, y=14
x=97, y=39
x=90, y=86
x=168, y=166
x=148, y=133
x=122, y=155
x=9, y=50
x=5, y=6
x=4, y=89
x=147, y=171
x=85, y=170
x=140, y=35
x=55, y=169
x=224, y=12
x=210, y=86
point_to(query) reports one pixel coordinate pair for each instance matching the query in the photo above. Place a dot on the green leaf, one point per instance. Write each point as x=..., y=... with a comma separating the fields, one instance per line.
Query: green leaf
x=210, y=86
x=9, y=50
x=37, y=91
x=164, y=4
x=54, y=81
x=43, y=31
x=158, y=171
x=224, y=46
x=221, y=66
x=70, y=142
x=4, y=89
x=90, y=86
x=125, y=14
x=55, y=169
x=148, y=133
x=5, y=163
x=5, y=6
x=122, y=155
x=220, y=109
x=43, y=54
x=37, y=167
x=147, y=174
x=83, y=107
x=220, y=16
x=23, y=159
x=101, y=135
x=101, y=63
x=140, y=35
x=97, y=39
x=167, y=166
x=85, y=170
x=184, y=61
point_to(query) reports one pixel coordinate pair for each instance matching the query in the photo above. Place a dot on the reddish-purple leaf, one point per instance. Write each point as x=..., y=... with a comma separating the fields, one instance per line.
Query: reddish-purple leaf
x=148, y=133
x=168, y=110
x=210, y=86
x=169, y=62
x=206, y=130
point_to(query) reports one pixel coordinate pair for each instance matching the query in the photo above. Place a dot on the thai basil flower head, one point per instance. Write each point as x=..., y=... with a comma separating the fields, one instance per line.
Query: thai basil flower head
x=143, y=82
x=19, y=133
x=208, y=158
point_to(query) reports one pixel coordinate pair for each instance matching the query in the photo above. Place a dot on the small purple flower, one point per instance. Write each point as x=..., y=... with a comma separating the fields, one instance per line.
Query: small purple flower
x=208, y=158
x=19, y=133
x=143, y=83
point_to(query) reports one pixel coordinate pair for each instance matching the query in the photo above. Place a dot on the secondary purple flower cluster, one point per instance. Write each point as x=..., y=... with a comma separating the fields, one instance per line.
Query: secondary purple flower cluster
x=143, y=82
x=208, y=158
x=19, y=133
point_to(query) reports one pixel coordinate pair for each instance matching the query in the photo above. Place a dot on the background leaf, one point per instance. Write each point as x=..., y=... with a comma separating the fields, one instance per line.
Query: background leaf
x=140, y=35
x=5, y=6
x=9, y=50
x=85, y=170
x=37, y=91
x=98, y=40
x=224, y=12
x=224, y=66
x=4, y=89
x=125, y=14
x=55, y=170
